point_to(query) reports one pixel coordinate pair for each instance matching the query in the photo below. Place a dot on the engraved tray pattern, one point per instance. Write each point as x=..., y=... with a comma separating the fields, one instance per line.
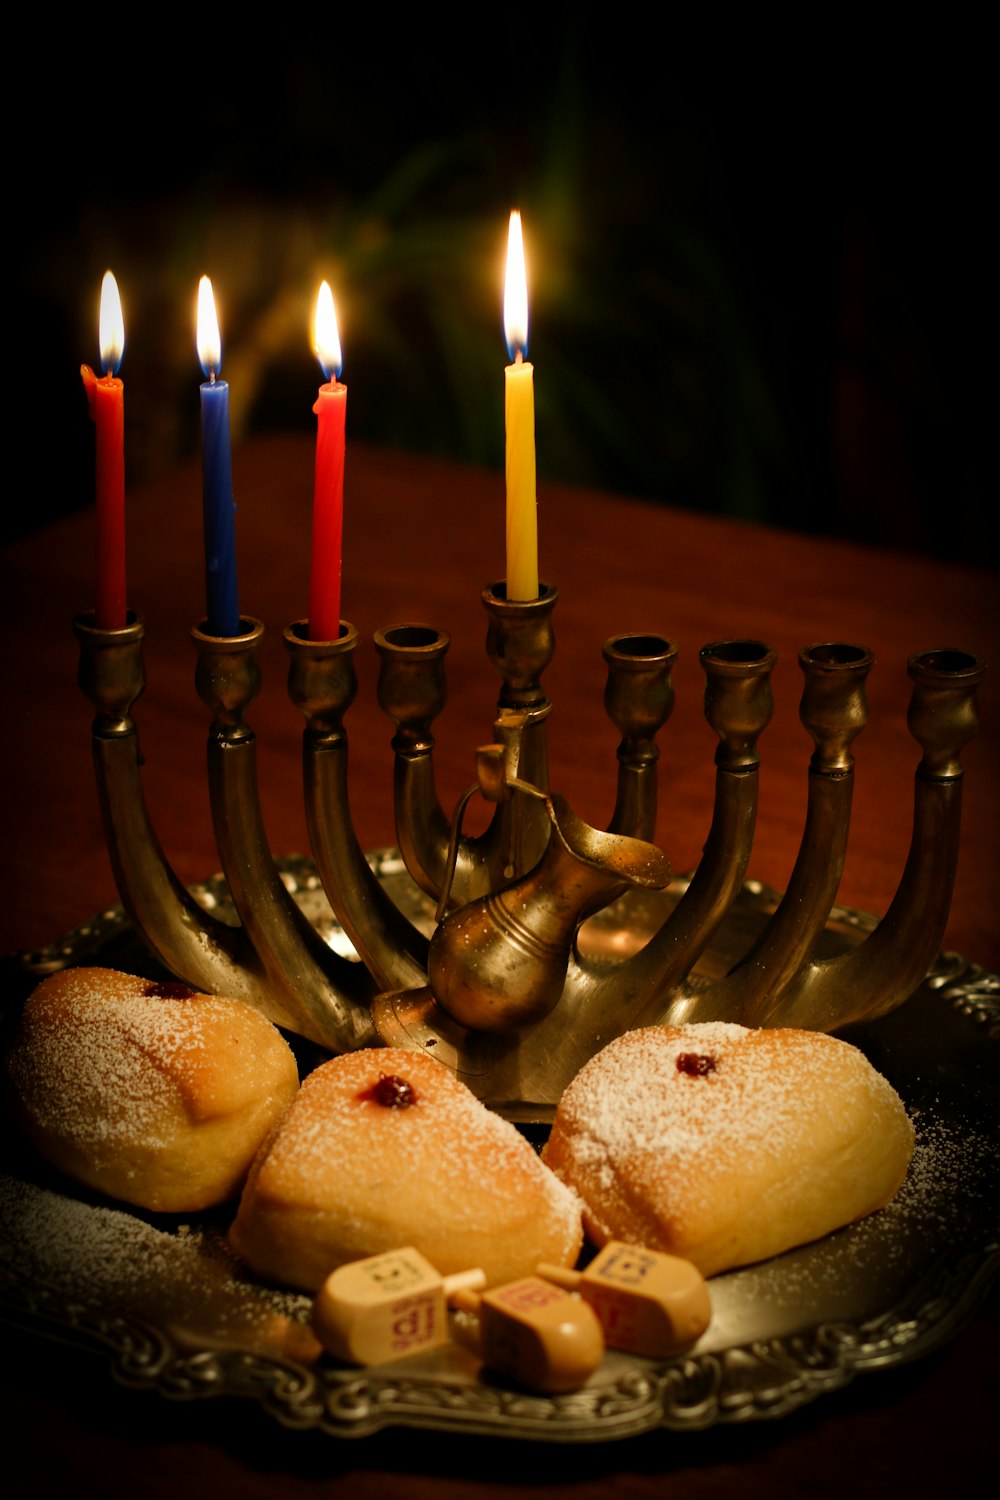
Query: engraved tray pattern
x=873, y=1295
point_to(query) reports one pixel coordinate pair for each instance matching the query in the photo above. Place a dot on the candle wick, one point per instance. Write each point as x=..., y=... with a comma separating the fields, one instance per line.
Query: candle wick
x=518, y=357
x=211, y=377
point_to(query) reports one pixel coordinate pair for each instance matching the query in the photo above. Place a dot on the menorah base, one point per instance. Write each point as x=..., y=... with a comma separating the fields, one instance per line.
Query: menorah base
x=523, y=1079
x=411, y=1019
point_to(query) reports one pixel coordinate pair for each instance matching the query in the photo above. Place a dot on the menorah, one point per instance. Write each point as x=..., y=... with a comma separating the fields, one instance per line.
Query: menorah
x=498, y=987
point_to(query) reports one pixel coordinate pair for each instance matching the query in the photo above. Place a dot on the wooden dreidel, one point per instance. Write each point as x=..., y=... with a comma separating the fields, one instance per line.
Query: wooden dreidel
x=386, y=1307
x=546, y=1339
x=647, y=1302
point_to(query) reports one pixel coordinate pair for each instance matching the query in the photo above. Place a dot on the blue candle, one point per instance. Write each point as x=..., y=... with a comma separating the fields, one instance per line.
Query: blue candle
x=222, y=601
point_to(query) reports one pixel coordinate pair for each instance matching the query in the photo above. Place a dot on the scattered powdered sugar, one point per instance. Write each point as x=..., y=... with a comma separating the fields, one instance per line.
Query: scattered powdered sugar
x=77, y=1248
x=950, y=1186
x=949, y=1172
x=64, y=1253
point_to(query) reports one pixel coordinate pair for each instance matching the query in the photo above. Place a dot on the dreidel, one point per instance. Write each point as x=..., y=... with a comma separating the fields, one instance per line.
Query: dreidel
x=548, y=1340
x=647, y=1303
x=386, y=1307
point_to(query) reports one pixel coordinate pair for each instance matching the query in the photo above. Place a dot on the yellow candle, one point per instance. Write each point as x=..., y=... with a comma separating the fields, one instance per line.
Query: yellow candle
x=519, y=410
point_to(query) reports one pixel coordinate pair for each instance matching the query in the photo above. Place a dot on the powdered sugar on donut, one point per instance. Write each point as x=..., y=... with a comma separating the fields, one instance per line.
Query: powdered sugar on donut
x=151, y=1093
x=346, y=1176
x=689, y=1158
x=84, y=1067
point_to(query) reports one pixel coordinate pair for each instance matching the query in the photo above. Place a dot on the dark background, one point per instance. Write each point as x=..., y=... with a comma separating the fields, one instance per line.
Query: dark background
x=757, y=262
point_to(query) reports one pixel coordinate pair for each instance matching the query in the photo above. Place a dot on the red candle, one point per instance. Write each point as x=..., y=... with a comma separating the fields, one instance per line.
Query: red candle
x=107, y=409
x=328, y=494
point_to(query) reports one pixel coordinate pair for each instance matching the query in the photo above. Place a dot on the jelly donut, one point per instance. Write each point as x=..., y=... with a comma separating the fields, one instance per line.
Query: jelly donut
x=386, y=1148
x=726, y=1145
x=148, y=1092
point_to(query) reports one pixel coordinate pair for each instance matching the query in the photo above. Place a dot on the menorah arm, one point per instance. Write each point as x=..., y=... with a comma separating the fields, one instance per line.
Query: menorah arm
x=738, y=705
x=659, y=970
x=189, y=941
x=636, y=800
x=392, y=949
x=319, y=994
x=412, y=691
x=423, y=830
x=892, y=961
x=787, y=940
x=322, y=683
x=314, y=991
x=834, y=710
x=483, y=862
x=639, y=698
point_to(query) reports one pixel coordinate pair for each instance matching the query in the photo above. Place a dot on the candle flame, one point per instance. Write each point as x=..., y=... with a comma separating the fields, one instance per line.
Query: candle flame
x=112, y=325
x=209, y=338
x=515, y=292
x=326, y=335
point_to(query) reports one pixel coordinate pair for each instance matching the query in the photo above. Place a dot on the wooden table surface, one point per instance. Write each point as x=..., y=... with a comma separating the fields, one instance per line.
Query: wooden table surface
x=421, y=539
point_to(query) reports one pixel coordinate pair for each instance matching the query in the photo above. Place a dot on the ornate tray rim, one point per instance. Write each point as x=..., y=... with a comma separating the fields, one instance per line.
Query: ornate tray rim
x=764, y=1380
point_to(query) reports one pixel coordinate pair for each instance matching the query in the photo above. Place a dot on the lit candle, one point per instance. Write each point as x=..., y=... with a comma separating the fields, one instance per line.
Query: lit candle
x=328, y=494
x=107, y=409
x=222, y=603
x=519, y=410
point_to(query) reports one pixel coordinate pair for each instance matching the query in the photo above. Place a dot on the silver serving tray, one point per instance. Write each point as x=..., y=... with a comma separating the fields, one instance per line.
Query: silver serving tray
x=165, y=1303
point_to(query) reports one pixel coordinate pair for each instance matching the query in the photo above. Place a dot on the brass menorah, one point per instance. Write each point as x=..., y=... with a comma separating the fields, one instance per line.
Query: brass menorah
x=502, y=991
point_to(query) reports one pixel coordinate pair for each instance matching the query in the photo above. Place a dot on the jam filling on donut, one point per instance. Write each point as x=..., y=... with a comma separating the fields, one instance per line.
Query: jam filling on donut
x=169, y=989
x=695, y=1064
x=391, y=1092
